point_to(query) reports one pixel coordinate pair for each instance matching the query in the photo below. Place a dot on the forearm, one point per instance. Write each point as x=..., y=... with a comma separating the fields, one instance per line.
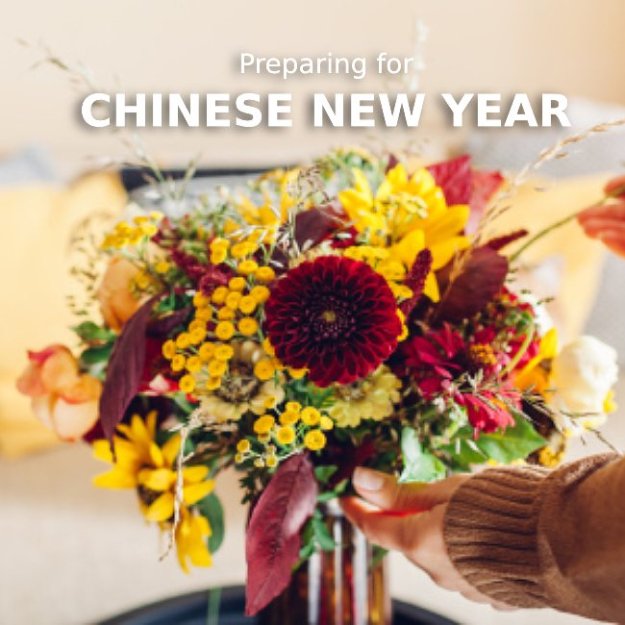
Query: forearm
x=531, y=538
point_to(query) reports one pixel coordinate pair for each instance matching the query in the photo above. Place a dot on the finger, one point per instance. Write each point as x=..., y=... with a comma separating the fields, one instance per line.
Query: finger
x=616, y=244
x=615, y=185
x=384, y=491
x=390, y=531
x=603, y=211
x=605, y=224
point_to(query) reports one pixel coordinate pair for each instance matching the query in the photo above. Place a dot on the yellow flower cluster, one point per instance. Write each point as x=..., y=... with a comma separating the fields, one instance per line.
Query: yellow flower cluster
x=125, y=234
x=279, y=435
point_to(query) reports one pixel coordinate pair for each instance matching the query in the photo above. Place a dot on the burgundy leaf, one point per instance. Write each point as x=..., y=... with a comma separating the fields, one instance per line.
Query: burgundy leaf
x=125, y=369
x=485, y=184
x=273, y=535
x=163, y=326
x=455, y=178
x=415, y=280
x=498, y=243
x=482, y=277
x=393, y=161
x=317, y=223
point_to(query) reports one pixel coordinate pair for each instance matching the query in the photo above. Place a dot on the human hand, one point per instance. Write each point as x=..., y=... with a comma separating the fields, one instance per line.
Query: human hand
x=606, y=222
x=410, y=518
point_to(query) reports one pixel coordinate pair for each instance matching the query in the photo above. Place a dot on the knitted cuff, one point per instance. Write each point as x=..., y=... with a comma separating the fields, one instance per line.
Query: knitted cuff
x=490, y=533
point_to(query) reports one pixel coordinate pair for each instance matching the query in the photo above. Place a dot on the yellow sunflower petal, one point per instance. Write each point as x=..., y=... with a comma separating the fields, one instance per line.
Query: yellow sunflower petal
x=193, y=475
x=408, y=248
x=171, y=449
x=102, y=450
x=431, y=289
x=139, y=431
x=549, y=344
x=449, y=224
x=158, y=480
x=444, y=251
x=115, y=478
x=156, y=455
x=193, y=493
x=161, y=508
x=150, y=423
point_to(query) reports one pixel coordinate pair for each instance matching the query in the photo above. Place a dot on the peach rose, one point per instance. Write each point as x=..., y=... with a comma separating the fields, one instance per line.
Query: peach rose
x=62, y=398
x=117, y=301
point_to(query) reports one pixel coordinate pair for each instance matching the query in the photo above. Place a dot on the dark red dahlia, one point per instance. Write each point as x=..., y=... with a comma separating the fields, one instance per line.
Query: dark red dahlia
x=334, y=316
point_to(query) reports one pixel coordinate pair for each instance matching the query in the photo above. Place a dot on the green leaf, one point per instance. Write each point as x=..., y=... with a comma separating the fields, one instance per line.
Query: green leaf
x=89, y=332
x=322, y=535
x=513, y=443
x=211, y=508
x=95, y=355
x=324, y=473
x=419, y=464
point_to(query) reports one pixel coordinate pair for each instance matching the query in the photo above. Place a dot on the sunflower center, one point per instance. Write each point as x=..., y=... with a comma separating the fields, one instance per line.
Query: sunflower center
x=331, y=318
x=241, y=385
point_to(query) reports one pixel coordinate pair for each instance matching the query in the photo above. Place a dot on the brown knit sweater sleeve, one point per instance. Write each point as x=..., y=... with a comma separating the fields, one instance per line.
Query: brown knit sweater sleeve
x=533, y=538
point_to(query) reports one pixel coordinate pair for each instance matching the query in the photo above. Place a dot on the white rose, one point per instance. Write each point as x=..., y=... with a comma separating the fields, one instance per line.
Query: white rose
x=582, y=375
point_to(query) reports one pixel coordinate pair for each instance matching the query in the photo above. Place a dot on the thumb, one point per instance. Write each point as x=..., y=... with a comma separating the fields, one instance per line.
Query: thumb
x=383, y=491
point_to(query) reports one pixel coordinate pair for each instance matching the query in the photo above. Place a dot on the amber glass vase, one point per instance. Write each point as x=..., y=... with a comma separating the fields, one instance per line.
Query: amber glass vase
x=346, y=586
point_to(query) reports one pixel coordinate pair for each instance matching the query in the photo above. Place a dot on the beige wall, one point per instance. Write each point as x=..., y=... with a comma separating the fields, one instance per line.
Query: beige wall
x=192, y=45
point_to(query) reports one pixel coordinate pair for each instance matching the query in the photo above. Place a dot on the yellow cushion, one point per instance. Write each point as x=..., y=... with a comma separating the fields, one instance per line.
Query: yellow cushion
x=37, y=225
x=582, y=258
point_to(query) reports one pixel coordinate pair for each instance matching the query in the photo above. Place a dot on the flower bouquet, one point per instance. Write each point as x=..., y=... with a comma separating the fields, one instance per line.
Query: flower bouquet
x=323, y=318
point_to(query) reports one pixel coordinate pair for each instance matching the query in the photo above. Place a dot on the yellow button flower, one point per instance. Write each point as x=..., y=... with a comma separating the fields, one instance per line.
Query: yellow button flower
x=237, y=284
x=200, y=300
x=265, y=274
x=248, y=326
x=178, y=362
x=216, y=368
x=224, y=330
x=243, y=446
x=247, y=304
x=193, y=364
x=197, y=336
x=187, y=383
x=289, y=418
x=260, y=293
x=315, y=440
x=169, y=349
x=206, y=351
x=224, y=352
x=264, y=369
x=263, y=424
x=326, y=423
x=183, y=340
x=285, y=435
x=203, y=314
x=219, y=295
x=232, y=300
x=247, y=267
x=212, y=384
x=225, y=314
x=310, y=416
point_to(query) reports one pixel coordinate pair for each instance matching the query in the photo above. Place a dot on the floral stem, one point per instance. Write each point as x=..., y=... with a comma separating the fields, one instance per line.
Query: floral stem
x=562, y=222
x=543, y=233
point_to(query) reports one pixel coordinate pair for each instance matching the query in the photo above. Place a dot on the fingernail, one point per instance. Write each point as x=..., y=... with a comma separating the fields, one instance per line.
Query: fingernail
x=367, y=479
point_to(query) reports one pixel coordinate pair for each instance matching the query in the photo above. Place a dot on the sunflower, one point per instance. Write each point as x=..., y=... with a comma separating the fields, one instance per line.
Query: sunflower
x=140, y=463
x=335, y=317
x=405, y=215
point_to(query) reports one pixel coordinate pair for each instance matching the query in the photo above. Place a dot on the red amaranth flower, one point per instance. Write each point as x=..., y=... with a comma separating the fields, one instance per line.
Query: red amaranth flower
x=334, y=316
x=487, y=411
